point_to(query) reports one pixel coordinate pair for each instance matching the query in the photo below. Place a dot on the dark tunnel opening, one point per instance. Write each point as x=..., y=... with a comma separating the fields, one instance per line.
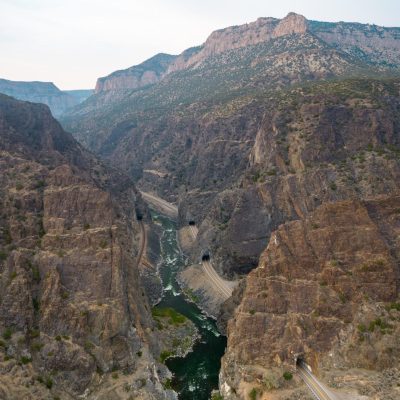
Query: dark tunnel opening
x=205, y=257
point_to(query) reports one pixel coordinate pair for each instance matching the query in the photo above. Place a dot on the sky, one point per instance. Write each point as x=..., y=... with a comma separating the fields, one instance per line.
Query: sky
x=73, y=42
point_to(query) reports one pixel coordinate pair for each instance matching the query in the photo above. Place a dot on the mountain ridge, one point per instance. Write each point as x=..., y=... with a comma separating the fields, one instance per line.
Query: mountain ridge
x=261, y=30
x=44, y=92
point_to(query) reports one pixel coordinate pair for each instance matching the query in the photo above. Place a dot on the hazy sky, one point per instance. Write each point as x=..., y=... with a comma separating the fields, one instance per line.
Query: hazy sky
x=72, y=42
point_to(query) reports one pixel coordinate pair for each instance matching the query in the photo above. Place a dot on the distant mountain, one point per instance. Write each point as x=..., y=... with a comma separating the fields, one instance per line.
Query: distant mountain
x=80, y=95
x=44, y=92
x=146, y=73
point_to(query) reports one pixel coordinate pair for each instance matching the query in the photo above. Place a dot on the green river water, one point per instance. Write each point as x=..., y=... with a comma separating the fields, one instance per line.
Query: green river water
x=195, y=375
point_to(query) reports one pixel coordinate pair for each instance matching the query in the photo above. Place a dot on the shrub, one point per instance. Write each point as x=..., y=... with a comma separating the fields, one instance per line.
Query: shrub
x=58, y=338
x=86, y=227
x=39, y=184
x=36, y=304
x=362, y=328
x=253, y=394
x=7, y=334
x=287, y=375
x=49, y=383
x=34, y=333
x=64, y=295
x=35, y=274
x=139, y=354
x=115, y=375
x=394, y=306
x=36, y=346
x=26, y=360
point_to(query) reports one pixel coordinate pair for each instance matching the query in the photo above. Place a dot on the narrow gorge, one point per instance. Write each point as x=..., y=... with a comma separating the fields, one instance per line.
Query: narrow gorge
x=220, y=224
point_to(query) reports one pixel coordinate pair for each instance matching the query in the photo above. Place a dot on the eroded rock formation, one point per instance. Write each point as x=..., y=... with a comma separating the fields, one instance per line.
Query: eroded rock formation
x=73, y=317
x=326, y=290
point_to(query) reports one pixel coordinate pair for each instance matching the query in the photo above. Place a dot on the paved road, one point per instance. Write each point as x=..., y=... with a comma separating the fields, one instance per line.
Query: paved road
x=316, y=388
x=216, y=280
x=168, y=208
x=194, y=230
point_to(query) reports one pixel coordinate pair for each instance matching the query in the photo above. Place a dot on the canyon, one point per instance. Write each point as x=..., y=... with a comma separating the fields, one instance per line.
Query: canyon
x=273, y=150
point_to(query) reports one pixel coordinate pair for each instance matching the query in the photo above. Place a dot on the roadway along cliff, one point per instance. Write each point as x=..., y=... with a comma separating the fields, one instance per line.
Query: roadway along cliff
x=319, y=391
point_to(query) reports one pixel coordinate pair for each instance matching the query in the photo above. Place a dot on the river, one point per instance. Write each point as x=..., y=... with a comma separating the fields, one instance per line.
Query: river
x=195, y=375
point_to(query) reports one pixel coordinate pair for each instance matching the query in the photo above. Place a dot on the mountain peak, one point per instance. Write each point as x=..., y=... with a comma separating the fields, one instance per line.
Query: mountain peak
x=292, y=23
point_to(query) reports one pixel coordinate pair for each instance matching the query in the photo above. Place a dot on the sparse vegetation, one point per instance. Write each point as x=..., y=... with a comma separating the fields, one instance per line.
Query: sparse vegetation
x=36, y=346
x=167, y=384
x=114, y=375
x=174, y=318
x=165, y=354
x=7, y=334
x=49, y=383
x=35, y=274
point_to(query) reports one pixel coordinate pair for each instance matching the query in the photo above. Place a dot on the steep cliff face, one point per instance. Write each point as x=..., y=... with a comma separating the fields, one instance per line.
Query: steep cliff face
x=44, y=92
x=147, y=73
x=235, y=37
x=321, y=143
x=326, y=290
x=71, y=308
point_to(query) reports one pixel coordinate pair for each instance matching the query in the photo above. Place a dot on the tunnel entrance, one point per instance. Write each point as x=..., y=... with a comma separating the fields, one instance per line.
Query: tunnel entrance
x=302, y=364
x=139, y=216
x=192, y=223
x=205, y=257
x=300, y=361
